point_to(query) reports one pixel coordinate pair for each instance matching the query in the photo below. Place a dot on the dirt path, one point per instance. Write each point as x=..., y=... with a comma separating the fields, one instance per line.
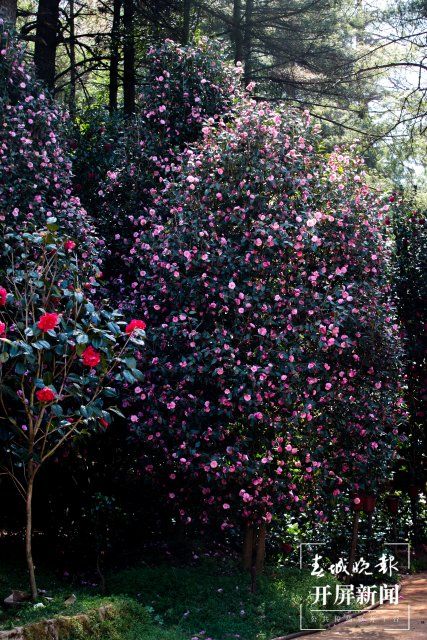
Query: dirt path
x=378, y=623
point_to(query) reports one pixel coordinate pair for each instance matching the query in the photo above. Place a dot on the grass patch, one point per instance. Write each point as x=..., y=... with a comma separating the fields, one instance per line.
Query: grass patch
x=212, y=600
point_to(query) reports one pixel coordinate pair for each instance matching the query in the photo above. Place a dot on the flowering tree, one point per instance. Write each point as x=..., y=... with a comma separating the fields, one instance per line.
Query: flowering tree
x=61, y=358
x=272, y=376
x=60, y=363
x=183, y=87
x=35, y=167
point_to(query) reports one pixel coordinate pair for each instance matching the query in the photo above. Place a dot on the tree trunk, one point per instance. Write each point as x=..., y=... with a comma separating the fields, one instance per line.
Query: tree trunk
x=260, y=548
x=46, y=41
x=253, y=555
x=114, y=59
x=248, y=547
x=8, y=11
x=186, y=21
x=415, y=534
x=128, y=58
x=73, y=78
x=237, y=32
x=247, y=40
x=369, y=532
x=29, y=530
x=353, y=546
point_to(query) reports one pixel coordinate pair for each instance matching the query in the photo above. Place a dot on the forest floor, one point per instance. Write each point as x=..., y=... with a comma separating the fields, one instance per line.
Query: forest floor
x=405, y=621
x=210, y=600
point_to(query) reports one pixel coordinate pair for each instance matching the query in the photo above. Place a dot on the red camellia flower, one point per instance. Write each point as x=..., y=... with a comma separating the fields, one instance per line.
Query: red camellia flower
x=91, y=357
x=135, y=324
x=3, y=296
x=2, y=328
x=69, y=245
x=45, y=395
x=48, y=321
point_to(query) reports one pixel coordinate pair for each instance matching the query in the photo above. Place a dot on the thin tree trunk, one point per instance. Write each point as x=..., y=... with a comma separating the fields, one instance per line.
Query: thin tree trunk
x=128, y=58
x=73, y=79
x=8, y=11
x=260, y=548
x=415, y=521
x=186, y=21
x=100, y=572
x=46, y=41
x=353, y=547
x=114, y=59
x=29, y=530
x=247, y=40
x=237, y=32
x=248, y=546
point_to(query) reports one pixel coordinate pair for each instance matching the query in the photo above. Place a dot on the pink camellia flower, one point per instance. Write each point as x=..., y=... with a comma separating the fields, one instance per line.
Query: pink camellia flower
x=3, y=296
x=134, y=325
x=91, y=357
x=48, y=321
x=2, y=328
x=45, y=395
x=214, y=464
x=69, y=245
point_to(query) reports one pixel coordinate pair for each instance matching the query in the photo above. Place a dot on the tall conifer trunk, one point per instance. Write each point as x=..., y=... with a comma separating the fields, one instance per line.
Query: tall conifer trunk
x=46, y=41
x=114, y=59
x=128, y=57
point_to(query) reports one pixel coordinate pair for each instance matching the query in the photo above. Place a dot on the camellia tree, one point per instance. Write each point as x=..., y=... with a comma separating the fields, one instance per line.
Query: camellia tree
x=61, y=358
x=184, y=85
x=272, y=376
x=61, y=362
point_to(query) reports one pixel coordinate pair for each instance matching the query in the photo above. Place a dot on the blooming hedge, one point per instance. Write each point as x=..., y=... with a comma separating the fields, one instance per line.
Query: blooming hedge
x=274, y=353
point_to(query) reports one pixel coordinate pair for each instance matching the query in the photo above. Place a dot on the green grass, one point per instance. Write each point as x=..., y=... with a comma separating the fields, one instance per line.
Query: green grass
x=209, y=601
